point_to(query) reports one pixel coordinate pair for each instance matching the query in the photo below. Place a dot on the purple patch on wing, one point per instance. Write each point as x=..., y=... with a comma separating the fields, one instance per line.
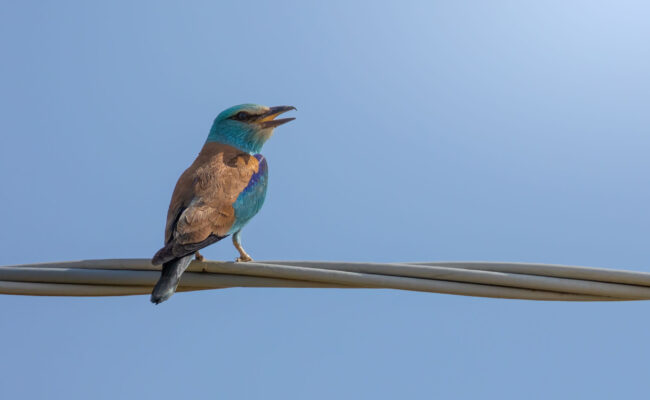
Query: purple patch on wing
x=261, y=171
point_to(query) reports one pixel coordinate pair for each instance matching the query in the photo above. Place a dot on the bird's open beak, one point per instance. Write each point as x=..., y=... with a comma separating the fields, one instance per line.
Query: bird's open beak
x=268, y=120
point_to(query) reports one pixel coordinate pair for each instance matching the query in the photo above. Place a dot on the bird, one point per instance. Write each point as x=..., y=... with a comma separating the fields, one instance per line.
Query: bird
x=219, y=193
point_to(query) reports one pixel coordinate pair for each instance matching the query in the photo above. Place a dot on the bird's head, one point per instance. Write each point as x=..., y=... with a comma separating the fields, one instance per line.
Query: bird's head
x=247, y=126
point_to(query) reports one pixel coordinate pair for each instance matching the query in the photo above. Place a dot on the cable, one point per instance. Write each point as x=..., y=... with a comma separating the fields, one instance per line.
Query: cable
x=527, y=281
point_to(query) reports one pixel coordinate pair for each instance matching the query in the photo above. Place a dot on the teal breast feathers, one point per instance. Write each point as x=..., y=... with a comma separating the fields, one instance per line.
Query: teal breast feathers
x=250, y=200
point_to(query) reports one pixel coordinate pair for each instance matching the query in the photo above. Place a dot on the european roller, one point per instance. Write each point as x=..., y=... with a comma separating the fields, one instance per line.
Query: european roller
x=219, y=193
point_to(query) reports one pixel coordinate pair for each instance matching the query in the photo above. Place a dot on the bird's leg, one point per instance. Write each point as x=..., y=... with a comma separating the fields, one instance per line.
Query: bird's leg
x=198, y=256
x=243, y=256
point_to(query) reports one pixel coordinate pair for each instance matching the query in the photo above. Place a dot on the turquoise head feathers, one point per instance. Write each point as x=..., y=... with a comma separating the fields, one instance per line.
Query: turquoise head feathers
x=247, y=126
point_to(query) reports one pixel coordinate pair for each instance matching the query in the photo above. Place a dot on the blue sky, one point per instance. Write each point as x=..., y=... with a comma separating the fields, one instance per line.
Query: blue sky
x=503, y=130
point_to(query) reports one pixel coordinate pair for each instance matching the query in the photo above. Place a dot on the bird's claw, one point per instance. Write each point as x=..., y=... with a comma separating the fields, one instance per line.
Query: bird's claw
x=245, y=258
x=198, y=256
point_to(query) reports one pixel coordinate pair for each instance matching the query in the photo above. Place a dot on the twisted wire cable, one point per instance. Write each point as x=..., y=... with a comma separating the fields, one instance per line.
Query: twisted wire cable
x=120, y=277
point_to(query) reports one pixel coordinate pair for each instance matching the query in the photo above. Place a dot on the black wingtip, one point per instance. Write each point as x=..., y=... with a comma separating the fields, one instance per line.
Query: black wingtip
x=161, y=256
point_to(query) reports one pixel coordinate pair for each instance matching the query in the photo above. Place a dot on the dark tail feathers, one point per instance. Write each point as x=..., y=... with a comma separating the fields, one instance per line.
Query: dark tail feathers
x=169, y=278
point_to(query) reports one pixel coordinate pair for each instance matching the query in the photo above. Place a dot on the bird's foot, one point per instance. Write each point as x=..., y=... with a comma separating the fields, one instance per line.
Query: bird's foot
x=198, y=256
x=243, y=256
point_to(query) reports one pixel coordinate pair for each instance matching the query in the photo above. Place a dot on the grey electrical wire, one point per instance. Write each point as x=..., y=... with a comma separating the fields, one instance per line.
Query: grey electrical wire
x=527, y=281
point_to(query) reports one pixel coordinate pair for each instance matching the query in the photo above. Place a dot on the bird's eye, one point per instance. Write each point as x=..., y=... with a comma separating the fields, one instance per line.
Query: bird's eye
x=241, y=115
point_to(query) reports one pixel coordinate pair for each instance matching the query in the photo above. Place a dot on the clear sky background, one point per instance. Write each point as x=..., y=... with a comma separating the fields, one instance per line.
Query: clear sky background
x=458, y=130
